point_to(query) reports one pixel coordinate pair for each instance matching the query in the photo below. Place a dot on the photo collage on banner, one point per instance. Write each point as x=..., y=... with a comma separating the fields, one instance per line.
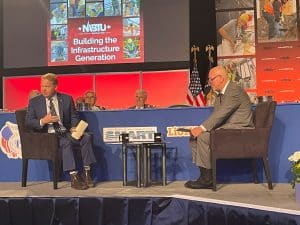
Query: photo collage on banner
x=95, y=32
x=258, y=44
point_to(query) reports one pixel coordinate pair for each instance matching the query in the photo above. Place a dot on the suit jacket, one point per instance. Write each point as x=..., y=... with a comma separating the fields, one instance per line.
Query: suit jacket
x=97, y=108
x=232, y=110
x=37, y=110
x=145, y=106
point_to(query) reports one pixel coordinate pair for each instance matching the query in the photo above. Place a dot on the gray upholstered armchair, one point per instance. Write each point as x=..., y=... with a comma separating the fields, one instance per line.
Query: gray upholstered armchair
x=41, y=146
x=245, y=143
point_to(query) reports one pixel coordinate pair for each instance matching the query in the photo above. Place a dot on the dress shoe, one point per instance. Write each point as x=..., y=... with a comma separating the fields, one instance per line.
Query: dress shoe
x=199, y=184
x=203, y=182
x=77, y=183
x=189, y=182
x=87, y=178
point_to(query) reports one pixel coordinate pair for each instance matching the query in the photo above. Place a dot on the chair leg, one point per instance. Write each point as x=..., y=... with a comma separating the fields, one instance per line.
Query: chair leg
x=254, y=171
x=24, y=172
x=267, y=172
x=214, y=174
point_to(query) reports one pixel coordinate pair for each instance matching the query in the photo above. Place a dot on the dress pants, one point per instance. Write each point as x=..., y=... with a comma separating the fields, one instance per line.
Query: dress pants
x=66, y=144
x=201, y=150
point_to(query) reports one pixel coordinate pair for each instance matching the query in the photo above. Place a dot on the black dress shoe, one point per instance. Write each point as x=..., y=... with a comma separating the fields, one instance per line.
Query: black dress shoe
x=198, y=184
x=190, y=182
x=186, y=184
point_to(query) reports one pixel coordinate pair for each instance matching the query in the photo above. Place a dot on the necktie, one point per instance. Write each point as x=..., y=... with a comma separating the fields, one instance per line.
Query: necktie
x=53, y=113
x=220, y=95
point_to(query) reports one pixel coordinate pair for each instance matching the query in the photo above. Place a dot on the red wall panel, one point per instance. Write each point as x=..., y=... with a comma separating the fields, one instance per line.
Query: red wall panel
x=114, y=91
x=75, y=85
x=166, y=88
x=117, y=91
x=16, y=89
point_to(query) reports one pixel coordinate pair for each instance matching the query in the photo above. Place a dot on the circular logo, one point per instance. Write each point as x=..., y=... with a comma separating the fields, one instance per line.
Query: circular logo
x=10, y=140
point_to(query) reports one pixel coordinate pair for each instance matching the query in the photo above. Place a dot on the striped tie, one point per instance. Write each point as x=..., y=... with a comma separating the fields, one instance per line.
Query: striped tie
x=53, y=113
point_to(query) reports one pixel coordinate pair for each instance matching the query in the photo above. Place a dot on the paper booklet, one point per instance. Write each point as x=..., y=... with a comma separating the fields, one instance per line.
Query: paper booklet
x=80, y=128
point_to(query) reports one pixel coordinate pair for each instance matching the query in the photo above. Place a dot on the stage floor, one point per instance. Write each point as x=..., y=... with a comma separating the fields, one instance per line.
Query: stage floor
x=281, y=199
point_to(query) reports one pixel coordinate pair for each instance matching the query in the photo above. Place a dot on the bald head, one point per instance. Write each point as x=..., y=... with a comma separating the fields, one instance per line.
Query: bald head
x=141, y=97
x=220, y=70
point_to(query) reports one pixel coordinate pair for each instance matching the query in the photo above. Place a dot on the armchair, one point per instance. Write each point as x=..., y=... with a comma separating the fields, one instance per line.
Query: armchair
x=41, y=146
x=245, y=143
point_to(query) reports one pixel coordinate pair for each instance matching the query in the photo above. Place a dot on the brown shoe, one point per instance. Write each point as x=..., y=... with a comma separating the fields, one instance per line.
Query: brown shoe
x=77, y=183
x=87, y=178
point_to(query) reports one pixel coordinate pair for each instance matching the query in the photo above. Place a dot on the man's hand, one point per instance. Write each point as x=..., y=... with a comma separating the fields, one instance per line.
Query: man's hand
x=195, y=132
x=73, y=129
x=49, y=119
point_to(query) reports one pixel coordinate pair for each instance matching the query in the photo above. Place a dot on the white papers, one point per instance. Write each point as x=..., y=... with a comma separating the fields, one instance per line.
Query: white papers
x=82, y=125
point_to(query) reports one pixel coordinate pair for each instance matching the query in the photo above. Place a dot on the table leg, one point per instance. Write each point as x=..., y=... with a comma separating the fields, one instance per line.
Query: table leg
x=124, y=159
x=145, y=165
x=164, y=176
x=138, y=165
x=149, y=164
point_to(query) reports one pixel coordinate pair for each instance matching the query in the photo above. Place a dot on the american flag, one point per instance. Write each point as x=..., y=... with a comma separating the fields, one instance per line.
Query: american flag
x=195, y=96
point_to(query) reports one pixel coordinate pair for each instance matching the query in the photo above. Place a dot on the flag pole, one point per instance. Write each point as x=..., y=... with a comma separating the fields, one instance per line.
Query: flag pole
x=210, y=49
x=194, y=50
x=195, y=96
x=209, y=95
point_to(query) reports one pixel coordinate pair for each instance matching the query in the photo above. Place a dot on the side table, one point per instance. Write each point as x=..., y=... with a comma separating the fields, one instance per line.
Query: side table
x=148, y=147
x=143, y=161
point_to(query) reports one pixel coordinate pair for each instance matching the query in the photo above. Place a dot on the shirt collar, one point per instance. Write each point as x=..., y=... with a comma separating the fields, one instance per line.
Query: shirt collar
x=224, y=88
x=54, y=97
x=140, y=107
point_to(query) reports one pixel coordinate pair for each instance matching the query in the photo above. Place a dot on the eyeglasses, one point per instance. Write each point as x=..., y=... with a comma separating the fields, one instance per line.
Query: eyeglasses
x=211, y=79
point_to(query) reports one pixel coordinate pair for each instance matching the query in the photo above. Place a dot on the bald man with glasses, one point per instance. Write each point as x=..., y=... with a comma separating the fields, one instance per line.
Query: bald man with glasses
x=232, y=110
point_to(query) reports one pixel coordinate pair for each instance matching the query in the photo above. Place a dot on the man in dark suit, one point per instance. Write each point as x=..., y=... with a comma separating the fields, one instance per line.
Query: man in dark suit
x=232, y=110
x=54, y=112
x=140, y=100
